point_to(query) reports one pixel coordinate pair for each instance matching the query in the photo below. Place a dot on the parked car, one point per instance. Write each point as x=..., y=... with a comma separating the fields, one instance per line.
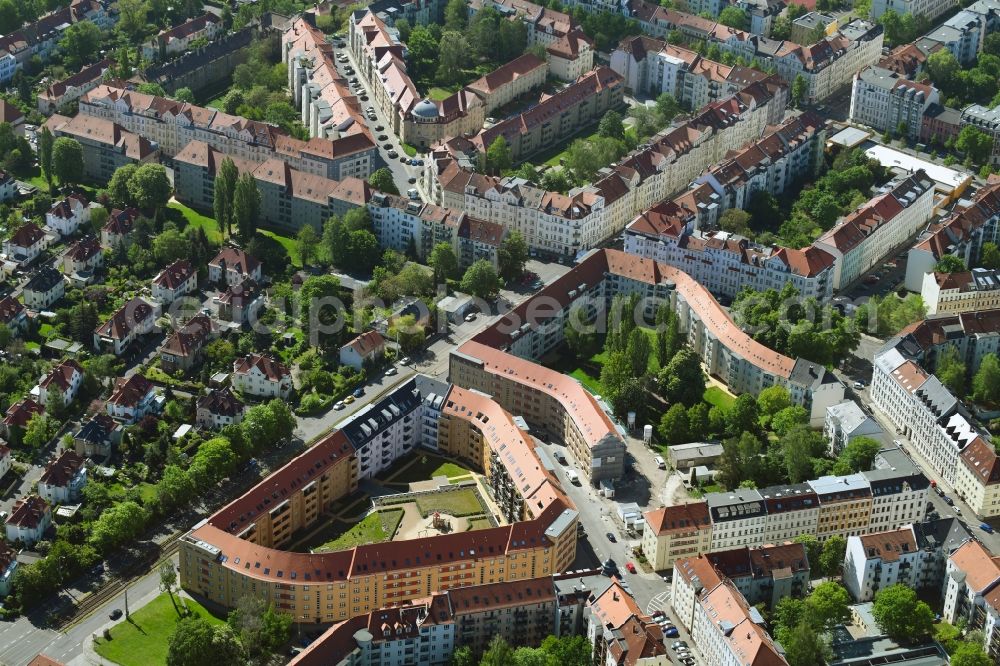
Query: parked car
x=986, y=528
x=338, y=405
x=390, y=372
x=611, y=537
x=382, y=137
x=470, y=317
x=115, y=614
x=413, y=193
x=671, y=632
x=405, y=360
x=349, y=399
x=630, y=567
x=379, y=128
x=358, y=392
x=392, y=154
x=859, y=385
x=947, y=500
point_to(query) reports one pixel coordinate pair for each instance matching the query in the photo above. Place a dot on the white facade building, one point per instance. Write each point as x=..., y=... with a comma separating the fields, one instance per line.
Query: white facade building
x=261, y=376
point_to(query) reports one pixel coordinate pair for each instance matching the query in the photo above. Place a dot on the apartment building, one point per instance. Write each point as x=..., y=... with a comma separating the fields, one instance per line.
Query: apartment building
x=261, y=376
x=922, y=409
x=620, y=632
x=899, y=492
x=172, y=125
x=556, y=116
x=132, y=399
x=845, y=504
x=962, y=234
x=886, y=101
x=131, y=321
x=970, y=291
x=175, y=281
x=651, y=66
x=63, y=480
x=25, y=245
x=177, y=40
x=371, y=576
x=985, y=120
x=864, y=238
x=738, y=518
x=846, y=421
x=876, y=561
x=675, y=532
x=962, y=34
x=561, y=226
x=28, y=521
x=792, y=509
x=61, y=94
x=427, y=631
x=970, y=591
x=107, y=145
x=383, y=432
x=730, y=632
x=929, y=9
x=397, y=221
x=289, y=198
x=977, y=479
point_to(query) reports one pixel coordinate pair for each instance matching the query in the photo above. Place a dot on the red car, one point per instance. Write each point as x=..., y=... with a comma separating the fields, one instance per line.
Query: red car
x=630, y=567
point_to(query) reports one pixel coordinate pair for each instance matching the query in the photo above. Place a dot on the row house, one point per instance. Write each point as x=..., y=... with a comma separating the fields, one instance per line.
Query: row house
x=387, y=430
x=962, y=34
x=863, y=239
x=398, y=222
x=182, y=350
x=172, y=125
x=59, y=95
x=261, y=376
x=82, y=260
x=175, y=281
x=977, y=479
x=106, y=144
x=132, y=399
x=29, y=520
x=929, y=9
x=792, y=509
x=130, y=322
x=67, y=215
x=25, y=245
x=43, y=288
x=962, y=234
x=738, y=518
x=97, y=437
x=290, y=198
x=986, y=120
x=970, y=291
x=562, y=226
x=61, y=384
x=63, y=480
x=178, y=39
x=219, y=408
x=886, y=101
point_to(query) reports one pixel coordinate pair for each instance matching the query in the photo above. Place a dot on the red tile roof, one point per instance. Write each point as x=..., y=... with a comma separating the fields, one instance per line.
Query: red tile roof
x=190, y=338
x=174, y=275
x=125, y=319
x=233, y=258
x=678, y=518
x=62, y=375
x=60, y=472
x=28, y=511
x=270, y=368
x=10, y=309
x=27, y=235
x=21, y=412
x=982, y=460
x=130, y=392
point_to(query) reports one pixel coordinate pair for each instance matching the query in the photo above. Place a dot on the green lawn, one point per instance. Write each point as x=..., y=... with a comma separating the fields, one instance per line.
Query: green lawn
x=479, y=524
x=716, y=397
x=374, y=528
x=426, y=468
x=408, y=149
x=287, y=242
x=588, y=373
x=552, y=156
x=196, y=219
x=457, y=502
x=438, y=94
x=46, y=330
x=144, y=640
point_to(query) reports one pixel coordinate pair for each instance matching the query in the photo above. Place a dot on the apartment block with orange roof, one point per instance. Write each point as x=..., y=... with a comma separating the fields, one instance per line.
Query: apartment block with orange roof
x=620, y=632
x=674, y=532
x=730, y=632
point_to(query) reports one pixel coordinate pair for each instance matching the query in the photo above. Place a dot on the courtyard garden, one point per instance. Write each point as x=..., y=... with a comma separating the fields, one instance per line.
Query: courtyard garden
x=376, y=527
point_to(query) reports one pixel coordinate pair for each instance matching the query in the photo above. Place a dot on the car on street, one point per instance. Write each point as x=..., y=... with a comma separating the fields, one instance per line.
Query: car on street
x=390, y=372
x=349, y=399
x=405, y=360
x=363, y=98
x=678, y=644
x=611, y=537
x=358, y=392
x=392, y=154
x=470, y=317
x=630, y=567
x=657, y=614
x=671, y=632
x=413, y=193
x=338, y=405
x=115, y=614
x=411, y=180
x=383, y=137
x=947, y=500
x=379, y=128
x=402, y=158
x=387, y=146
x=986, y=528
x=370, y=109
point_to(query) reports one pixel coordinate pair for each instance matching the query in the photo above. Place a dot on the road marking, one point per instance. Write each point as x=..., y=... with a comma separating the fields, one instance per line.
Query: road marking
x=659, y=602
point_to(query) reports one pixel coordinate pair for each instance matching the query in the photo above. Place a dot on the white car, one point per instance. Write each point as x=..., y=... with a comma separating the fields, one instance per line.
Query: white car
x=470, y=317
x=390, y=372
x=405, y=360
x=339, y=404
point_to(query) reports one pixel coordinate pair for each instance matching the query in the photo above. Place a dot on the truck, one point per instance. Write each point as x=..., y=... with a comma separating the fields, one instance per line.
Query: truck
x=573, y=477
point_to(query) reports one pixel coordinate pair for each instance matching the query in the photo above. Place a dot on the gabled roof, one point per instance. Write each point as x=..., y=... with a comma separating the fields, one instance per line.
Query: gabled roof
x=130, y=392
x=28, y=512
x=60, y=472
x=174, y=275
x=125, y=319
x=678, y=518
x=27, y=235
x=190, y=338
x=21, y=412
x=62, y=375
x=221, y=402
x=9, y=309
x=85, y=248
x=233, y=258
x=273, y=370
x=44, y=280
x=366, y=344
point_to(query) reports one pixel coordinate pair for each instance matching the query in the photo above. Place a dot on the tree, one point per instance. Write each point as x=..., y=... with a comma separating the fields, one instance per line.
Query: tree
x=481, y=280
x=568, y=650
x=246, y=206
x=804, y=646
x=580, y=334
x=735, y=220
x=498, y=156
x=675, y=425
x=683, y=380
x=118, y=190
x=213, y=461
x=986, y=382
x=799, y=447
x=828, y=605
x=149, y=186
x=901, y=615
x=637, y=352
x=410, y=335
x=67, y=160
x=118, y=525
x=381, y=180
x=222, y=196
x=667, y=335
x=740, y=459
x=831, y=560
x=512, y=256
x=39, y=431
x=168, y=580
x=444, y=262
x=951, y=371
x=261, y=630
x=799, y=89
x=462, y=656
x=943, y=69
x=80, y=43
x=10, y=18
x=857, y=456
x=456, y=15
x=734, y=17
x=611, y=126
x=949, y=263
x=363, y=249
x=788, y=418
x=744, y=415
x=175, y=488
x=422, y=51
x=667, y=107
x=453, y=57
x=196, y=642
x=307, y=241
x=170, y=246
x=586, y=158
x=184, y=95
x=497, y=654
x=45, y=149
x=970, y=654
x=132, y=16
x=814, y=551
x=772, y=400
x=975, y=143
